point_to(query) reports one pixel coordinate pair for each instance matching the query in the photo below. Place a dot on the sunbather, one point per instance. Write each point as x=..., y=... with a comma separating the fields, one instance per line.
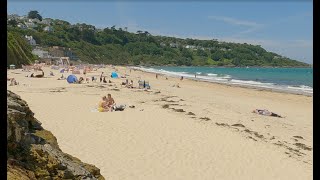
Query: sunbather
x=110, y=102
x=103, y=105
x=266, y=113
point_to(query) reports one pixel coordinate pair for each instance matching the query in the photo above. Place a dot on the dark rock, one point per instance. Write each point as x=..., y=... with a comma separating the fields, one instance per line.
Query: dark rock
x=33, y=152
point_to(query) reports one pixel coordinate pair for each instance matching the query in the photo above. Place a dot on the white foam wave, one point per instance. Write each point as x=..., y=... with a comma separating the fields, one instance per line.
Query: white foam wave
x=226, y=79
x=211, y=74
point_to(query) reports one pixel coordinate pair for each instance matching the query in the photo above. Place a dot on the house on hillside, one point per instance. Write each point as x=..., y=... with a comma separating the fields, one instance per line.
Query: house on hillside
x=46, y=21
x=56, y=51
x=163, y=44
x=34, y=20
x=22, y=26
x=48, y=29
x=30, y=40
x=30, y=25
x=174, y=45
x=41, y=53
x=190, y=47
x=23, y=18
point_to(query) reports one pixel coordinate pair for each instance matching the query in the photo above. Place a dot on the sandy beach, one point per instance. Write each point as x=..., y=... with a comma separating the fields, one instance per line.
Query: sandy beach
x=198, y=131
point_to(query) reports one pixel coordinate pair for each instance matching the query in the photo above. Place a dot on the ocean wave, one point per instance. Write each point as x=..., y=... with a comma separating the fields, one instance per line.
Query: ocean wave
x=211, y=74
x=227, y=79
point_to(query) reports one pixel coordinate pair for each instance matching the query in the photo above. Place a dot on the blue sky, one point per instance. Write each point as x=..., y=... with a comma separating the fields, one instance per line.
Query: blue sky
x=284, y=27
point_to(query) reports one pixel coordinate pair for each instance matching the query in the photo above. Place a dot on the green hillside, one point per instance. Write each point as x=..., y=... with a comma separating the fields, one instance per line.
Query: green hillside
x=18, y=51
x=118, y=46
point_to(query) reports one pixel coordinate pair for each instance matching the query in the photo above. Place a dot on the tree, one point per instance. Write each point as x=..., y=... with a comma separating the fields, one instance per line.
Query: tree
x=34, y=15
x=12, y=22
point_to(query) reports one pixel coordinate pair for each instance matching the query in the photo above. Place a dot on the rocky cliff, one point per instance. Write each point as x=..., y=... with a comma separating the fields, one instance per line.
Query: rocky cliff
x=33, y=152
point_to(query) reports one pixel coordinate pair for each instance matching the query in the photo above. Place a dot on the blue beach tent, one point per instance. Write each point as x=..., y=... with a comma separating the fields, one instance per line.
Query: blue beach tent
x=114, y=75
x=72, y=78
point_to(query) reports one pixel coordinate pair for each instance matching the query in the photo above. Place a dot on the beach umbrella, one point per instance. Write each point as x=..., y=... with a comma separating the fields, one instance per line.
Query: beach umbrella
x=114, y=75
x=72, y=78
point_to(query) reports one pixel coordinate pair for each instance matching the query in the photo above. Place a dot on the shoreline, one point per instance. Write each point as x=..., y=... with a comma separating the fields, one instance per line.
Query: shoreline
x=228, y=83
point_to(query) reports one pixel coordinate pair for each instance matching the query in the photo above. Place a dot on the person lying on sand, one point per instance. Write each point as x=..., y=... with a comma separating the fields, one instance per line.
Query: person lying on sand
x=266, y=113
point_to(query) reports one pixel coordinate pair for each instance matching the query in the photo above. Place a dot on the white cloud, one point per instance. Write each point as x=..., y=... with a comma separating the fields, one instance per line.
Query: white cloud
x=252, y=26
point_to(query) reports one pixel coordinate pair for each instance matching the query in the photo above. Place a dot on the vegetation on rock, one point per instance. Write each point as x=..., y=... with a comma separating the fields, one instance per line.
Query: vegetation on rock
x=18, y=50
x=33, y=152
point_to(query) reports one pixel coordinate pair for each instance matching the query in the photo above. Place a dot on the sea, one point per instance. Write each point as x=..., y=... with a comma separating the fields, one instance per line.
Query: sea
x=290, y=80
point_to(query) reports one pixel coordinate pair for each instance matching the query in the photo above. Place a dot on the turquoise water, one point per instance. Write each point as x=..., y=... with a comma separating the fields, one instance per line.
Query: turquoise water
x=276, y=78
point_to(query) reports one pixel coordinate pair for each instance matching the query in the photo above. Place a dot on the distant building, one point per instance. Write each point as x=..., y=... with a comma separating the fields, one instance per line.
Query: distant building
x=57, y=51
x=34, y=20
x=174, y=45
x=22, y=17
x=41, y=53
x=46, y=21
x=22, y=26
x=30, y=24
x=163, y=44
x=48, y=28
x=190, y=47
x=30, y=40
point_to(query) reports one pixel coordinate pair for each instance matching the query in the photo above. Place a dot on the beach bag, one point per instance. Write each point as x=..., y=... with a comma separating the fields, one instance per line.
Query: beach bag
x=120, y=107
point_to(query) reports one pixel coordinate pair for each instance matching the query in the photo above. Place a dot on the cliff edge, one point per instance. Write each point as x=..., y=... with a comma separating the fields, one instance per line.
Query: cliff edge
x=33, y=152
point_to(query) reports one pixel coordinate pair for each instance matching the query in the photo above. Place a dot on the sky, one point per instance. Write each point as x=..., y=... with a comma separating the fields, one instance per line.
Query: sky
x=284, y=27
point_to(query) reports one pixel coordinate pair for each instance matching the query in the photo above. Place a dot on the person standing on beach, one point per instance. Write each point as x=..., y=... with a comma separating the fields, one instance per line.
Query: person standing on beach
x=181, y=78
x=157, y=76
x=195, y=75
x=101, y=77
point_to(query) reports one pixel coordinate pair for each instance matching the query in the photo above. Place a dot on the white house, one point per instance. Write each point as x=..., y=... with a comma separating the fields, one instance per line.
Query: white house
x=174, y=45
x=163, y=44
x=190, y=47
x=48, y=28
x=34, y=20
x=22, y=17
x=30, y=40
x=46, y=21
x=22, y=26
x=30, y=24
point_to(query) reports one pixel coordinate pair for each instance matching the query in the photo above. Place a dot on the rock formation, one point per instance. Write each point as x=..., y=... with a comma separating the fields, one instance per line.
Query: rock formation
x=33, y=152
